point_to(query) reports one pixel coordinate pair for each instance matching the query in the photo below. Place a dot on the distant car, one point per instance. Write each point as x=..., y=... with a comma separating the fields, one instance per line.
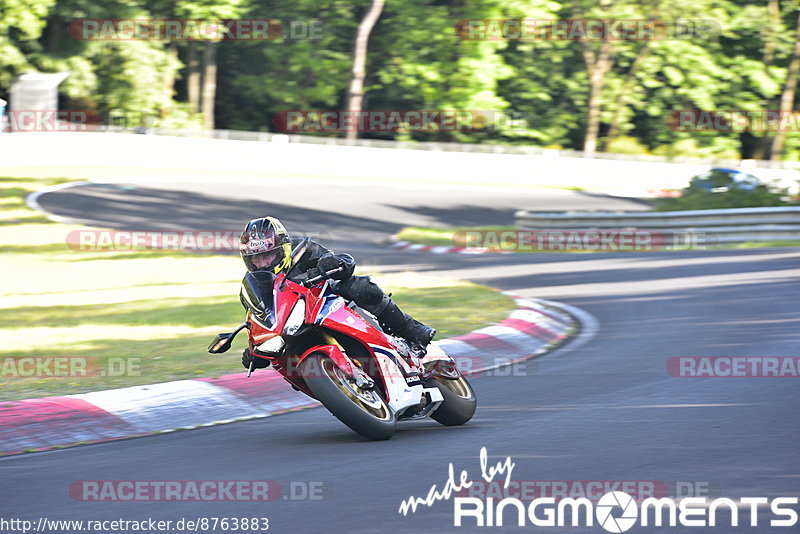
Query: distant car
x=719, y=180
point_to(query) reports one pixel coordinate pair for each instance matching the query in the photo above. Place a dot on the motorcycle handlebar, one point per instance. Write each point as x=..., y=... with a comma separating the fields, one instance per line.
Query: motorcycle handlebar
x=322, y=276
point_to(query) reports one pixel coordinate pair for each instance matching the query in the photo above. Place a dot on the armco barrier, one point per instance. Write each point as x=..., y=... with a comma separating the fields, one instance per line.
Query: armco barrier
x=436, y=146
x=722, y=226
x=225, y=155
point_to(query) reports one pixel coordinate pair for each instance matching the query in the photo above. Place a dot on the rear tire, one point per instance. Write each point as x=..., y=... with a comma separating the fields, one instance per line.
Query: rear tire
x=364, y=411
x=459, y=402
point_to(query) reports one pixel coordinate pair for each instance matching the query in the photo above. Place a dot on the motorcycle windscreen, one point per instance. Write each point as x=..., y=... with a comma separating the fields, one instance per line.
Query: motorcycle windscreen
x=257, y=296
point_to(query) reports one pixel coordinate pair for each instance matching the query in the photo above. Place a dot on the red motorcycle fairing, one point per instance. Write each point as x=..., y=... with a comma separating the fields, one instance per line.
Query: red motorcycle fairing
x=337, y=316
x=329, y=311
x=317, y=301
x=291, y=293
x=334, y=353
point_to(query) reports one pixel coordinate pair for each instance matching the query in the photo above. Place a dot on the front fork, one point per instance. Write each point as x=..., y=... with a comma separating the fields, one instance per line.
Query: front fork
x=362, y=379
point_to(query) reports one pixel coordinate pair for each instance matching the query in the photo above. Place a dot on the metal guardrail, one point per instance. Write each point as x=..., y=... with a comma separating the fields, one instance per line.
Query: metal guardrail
x=478, y=148
x=718, y=226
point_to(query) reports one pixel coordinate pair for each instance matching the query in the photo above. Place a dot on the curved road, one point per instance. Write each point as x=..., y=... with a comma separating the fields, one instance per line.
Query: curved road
x=603, y=408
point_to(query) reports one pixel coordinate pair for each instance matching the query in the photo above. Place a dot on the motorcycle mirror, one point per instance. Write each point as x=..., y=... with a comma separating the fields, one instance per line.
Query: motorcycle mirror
x=222, y=342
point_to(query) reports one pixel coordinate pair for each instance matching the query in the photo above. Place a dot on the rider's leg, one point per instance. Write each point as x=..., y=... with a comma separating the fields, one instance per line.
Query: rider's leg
x=392, y=319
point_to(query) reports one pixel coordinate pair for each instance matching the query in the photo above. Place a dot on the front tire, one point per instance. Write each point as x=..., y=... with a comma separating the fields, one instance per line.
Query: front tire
x=459, y=402
x=364, y=411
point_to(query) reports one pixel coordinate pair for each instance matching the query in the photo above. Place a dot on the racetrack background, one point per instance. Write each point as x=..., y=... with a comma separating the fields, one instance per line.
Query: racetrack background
x=604, y=408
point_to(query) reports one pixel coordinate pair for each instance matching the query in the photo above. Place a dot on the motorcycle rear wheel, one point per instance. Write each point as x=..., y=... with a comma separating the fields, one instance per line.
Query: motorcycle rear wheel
x=459, y=402
x=364, y=411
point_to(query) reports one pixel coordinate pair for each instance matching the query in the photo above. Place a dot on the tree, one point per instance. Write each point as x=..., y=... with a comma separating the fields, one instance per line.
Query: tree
x=787, y=97
x=206, y=10
x=21, y=24
x=258, y=79
x=556, y=93
x=422, y=62
x=355, y=93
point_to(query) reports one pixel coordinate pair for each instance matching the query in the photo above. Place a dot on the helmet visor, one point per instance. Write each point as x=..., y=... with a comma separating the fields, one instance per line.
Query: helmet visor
x=267, y=260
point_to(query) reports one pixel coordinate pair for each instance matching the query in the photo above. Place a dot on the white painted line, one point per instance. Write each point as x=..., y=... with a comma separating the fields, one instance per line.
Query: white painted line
x=590, y=326
x=32, y=200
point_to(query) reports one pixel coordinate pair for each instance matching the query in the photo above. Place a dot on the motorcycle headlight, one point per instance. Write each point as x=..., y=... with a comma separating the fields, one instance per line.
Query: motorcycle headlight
x=274, y=344
x=296, y=318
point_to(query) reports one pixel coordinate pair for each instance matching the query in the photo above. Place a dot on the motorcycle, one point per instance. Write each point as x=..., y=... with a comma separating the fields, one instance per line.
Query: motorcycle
x=337, y=353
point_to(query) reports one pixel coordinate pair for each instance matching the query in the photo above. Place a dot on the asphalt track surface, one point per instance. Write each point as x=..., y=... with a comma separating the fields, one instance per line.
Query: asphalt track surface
x=602, y=408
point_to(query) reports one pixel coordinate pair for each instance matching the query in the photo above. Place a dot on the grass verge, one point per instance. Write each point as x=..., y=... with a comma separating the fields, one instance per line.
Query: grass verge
x=763, y=244
x=137, y=317
x=448, y=237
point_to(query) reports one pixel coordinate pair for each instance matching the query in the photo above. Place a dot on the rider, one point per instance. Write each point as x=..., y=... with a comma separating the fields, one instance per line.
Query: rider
x=266, y=246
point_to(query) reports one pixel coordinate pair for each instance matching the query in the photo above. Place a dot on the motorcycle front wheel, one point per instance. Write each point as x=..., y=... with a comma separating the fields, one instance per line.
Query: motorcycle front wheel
x=363, y=410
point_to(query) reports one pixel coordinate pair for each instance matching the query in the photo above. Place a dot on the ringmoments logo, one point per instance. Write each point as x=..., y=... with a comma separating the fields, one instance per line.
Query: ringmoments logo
x=607, y=504
x=615, y=511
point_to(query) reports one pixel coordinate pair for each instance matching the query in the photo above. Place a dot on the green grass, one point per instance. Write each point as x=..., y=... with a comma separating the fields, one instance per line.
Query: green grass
x=763, y=244
x=154, y=311
x=455, y=237
x=450, y=237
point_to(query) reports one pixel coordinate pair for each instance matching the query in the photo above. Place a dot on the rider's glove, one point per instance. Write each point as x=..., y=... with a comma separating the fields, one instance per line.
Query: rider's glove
x=248, y=357
x=328, y=262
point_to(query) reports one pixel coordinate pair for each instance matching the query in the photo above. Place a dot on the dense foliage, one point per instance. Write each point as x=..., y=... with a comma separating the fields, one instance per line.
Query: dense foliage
x=695, y=198
x=617, y=95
